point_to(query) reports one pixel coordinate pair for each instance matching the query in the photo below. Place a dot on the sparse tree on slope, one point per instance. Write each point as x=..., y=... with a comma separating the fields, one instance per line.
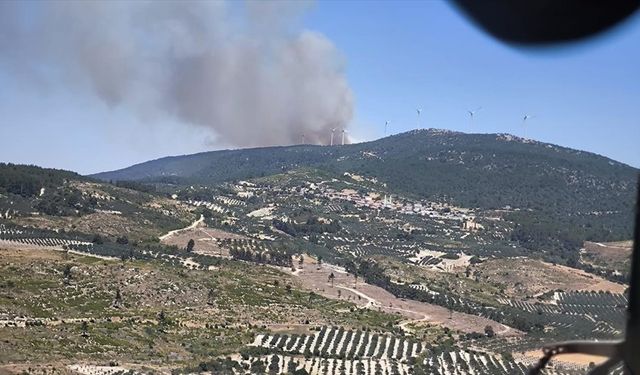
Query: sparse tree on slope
x=117, y=301
x=190, y=245
x=488, y=330
x=66, y=273
x=85, y=329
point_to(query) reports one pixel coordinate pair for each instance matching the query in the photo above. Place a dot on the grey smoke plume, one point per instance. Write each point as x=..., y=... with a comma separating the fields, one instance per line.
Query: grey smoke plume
x=244, y=71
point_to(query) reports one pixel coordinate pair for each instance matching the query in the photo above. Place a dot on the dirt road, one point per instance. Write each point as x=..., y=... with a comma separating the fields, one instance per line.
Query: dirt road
x=369, y=296
x=193, y=225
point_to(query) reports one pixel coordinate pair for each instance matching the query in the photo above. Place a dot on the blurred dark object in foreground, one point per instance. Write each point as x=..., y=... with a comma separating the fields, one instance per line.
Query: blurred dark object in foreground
x=545, y=22
x=536, y=22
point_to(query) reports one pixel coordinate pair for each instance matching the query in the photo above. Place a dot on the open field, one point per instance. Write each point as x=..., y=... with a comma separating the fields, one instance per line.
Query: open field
x=105, y=223
x=162, y=312
x=515, y=275
x=576, y=359
x=456, y=282
x=374, y=297
x=615, y=256
x=207, y=240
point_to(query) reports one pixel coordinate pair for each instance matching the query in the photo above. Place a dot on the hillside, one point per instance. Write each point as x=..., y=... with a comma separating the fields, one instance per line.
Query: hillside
x=52, y=199
x=552, y=192
x=411, y=254
x=484, y=170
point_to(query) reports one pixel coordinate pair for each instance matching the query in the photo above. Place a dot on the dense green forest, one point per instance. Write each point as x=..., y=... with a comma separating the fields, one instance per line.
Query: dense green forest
x=558, y=197
x=27, y=180
x=486, y=171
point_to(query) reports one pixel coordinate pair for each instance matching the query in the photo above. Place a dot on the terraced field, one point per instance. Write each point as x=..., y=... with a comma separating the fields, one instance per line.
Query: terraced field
x=332, y=342
x=334, y=350
x=138, y=310
x=304, y=271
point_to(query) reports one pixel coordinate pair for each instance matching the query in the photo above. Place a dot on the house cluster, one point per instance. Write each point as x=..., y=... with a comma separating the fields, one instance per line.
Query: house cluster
x=378, y=201
x=245, y=189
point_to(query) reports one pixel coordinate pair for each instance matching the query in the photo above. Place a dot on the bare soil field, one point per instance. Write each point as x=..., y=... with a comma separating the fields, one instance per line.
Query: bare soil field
x=575, y=359
x=515, y=274
x=205, y=240
x=63, y=368
x=611, y=255
x=16, y=246
x=365, y=295
x=36, y=369
x=11, y=250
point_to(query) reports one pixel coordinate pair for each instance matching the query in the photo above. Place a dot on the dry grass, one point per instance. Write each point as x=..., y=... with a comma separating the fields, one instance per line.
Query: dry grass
x=575, y=359
x=205, y=240
x=612, y=255
x=376, y=298
x=230, y=298
x=106, y=224
x=457, y=283
x=516, y=275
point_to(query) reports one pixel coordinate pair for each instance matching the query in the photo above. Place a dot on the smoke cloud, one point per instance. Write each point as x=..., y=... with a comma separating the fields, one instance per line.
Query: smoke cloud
x=246, y=72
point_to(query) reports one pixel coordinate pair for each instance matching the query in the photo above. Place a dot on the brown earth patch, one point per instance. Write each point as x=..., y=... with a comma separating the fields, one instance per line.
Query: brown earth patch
x=575, y=359
x=524, y=277
x=365, y=295
x=204, y=238
x=612, y=255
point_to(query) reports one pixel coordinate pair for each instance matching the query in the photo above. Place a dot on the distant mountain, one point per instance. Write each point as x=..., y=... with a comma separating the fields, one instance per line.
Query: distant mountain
x=551, y=191
x=483, y=170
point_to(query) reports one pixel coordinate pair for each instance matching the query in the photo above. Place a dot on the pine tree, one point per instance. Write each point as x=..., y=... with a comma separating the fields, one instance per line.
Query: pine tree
x=190, y=245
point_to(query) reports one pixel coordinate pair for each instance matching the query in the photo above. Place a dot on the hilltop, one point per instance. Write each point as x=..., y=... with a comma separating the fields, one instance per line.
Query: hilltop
x=468, y=168
x=52, y=199
x=558, y=196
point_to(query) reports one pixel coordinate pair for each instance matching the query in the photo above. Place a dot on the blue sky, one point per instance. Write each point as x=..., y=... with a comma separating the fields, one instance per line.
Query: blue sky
x=409, y=54
x=398, y=56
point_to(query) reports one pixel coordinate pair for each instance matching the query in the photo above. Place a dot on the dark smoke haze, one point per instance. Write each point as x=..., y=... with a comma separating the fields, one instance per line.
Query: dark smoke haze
x=244, y=71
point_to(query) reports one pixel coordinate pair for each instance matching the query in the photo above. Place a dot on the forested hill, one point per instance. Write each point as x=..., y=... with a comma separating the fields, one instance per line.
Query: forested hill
x=57, y=200
x=483, y=170
x=28, y=180
x=553, y=192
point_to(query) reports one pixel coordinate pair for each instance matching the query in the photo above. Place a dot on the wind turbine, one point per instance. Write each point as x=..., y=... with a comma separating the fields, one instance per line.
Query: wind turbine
x=343, y=131
x=386, y=126
x=332, y=131
x=419, y=110
x=473, y=113
x=524, y=123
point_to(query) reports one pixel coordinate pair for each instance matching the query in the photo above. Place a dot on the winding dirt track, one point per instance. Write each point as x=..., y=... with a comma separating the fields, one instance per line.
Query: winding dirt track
x=369, y=296
x=193, y=225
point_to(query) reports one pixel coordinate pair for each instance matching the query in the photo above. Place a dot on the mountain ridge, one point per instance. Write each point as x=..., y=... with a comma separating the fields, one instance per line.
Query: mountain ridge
x=551, y=191
x=137, y=171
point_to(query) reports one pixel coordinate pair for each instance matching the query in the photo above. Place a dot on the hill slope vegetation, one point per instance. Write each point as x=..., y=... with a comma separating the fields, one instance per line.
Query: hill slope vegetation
x=558, y=196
